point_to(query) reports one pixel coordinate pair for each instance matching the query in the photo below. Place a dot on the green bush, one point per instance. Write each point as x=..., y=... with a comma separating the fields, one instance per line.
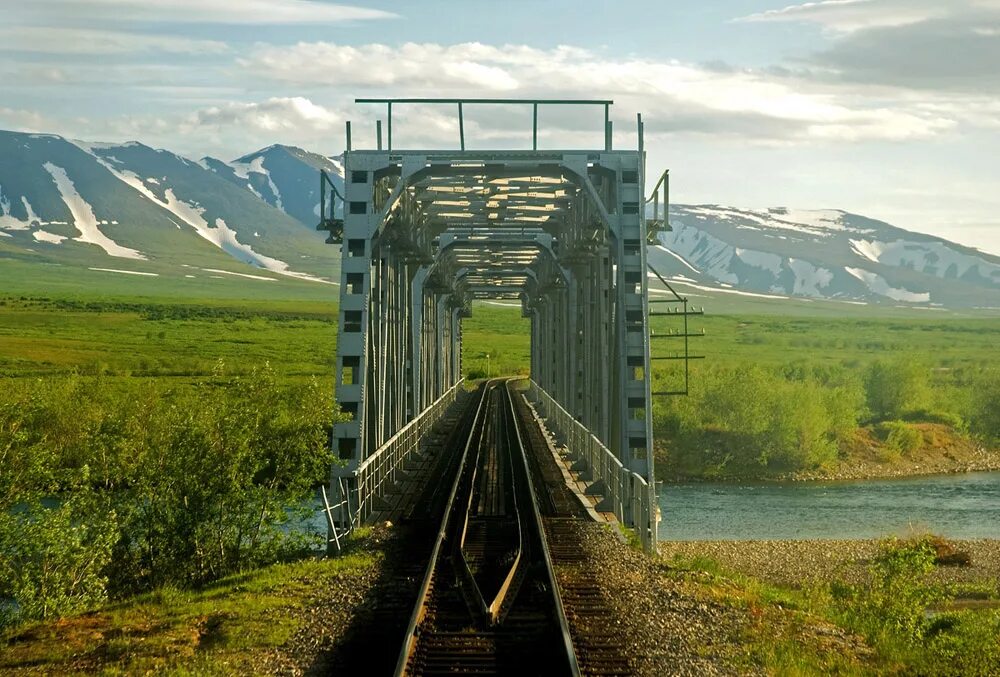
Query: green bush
x=53, y=559
x=964, y=644
x=900, y=438
x=193, y=482
x=984, y=417
x=895, y=388
x=213, y=491
x=890, y=609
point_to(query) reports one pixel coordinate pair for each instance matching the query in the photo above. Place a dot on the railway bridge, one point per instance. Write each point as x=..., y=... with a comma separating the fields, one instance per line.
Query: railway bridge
x=427, y=233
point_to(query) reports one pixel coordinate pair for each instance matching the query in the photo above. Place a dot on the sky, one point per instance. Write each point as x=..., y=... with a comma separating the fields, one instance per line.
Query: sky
x=886, y=108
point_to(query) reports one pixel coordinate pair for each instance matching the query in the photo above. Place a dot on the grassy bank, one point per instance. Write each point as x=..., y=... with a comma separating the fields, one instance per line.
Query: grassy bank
x=891, y=611
x=869, y=608
x=188, y=423
x=250, y=623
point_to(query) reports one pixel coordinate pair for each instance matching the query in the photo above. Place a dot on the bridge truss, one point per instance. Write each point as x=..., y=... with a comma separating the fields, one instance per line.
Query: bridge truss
x=425, y=233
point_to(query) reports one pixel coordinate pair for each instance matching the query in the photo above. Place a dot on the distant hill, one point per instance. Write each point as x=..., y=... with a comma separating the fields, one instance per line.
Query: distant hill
x=132, y=208
x=831, y=255
x=115, y=206
x=284, y=177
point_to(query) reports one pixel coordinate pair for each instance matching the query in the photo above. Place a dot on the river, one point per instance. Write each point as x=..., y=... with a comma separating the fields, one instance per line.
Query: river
x=955, y=506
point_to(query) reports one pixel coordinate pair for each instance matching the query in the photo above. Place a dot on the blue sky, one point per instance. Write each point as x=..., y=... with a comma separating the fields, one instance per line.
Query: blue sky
x=889, y=108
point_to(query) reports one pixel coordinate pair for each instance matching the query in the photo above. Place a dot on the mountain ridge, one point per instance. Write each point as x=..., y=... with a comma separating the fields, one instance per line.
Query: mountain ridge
x=111, y=206
x=130, y=204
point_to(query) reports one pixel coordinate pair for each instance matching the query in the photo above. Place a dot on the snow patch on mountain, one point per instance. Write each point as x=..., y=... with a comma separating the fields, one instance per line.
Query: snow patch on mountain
x=45, y=236
x=678, y=257
x=823, y=223
x=868, y=249
x=771, y=262
x=83, y=217
x=125, y=272
x=932, y=258
x=257, y=166
x=8, y=222
x=222, y=236
x=246, y=275
x=736, y=292
x=881, y=286
x=809, y=278
x=712, y=254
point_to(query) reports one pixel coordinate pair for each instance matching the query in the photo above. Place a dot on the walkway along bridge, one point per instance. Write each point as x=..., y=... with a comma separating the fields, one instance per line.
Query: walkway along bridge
x=425, y=233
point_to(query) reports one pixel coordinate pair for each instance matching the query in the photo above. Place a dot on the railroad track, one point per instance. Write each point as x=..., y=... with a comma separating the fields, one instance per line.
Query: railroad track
x=489, y=602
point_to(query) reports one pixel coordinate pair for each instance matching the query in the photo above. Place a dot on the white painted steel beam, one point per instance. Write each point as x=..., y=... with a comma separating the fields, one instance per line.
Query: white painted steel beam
x=427, y=232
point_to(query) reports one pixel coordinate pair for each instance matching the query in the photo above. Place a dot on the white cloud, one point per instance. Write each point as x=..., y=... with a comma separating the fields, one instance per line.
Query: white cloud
x=273, y=115
x=23, y=120
x=683, y=97
x=851, y=15
x=264, y=12
x=56, y=40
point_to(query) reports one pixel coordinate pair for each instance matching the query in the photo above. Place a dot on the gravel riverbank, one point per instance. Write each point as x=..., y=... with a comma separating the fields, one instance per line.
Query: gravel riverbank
x=797, y=562
x=971, y=458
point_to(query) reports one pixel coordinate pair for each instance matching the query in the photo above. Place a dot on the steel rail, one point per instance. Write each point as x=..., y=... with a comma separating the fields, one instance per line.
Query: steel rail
x=421, y=607
x=567, y=639
x=454, y=526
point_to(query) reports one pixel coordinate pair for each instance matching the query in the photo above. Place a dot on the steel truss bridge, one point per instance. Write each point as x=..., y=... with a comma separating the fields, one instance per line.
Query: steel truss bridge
x=425, y=233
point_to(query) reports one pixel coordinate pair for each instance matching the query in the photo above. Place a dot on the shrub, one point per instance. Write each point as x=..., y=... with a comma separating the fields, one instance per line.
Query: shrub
x=891, y=607
x=899, y=438
x=192, y=482
x=894, y=388
x=945, y=552
x=964, y=644
x=53, y=559
x=216, y=482
x=984, y=417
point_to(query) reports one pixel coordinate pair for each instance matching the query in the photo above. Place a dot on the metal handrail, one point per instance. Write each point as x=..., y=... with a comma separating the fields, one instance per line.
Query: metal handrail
x=628, y=494
x=534, y=103
x=376, y=474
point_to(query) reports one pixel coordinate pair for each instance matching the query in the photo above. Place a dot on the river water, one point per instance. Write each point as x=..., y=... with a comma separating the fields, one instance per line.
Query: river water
x=955, y=506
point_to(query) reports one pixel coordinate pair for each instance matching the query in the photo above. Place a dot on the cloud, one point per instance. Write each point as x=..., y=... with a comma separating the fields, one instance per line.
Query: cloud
x=756, y=106
x=225, y=130
x=852, y=15
x=263, y=12
x=953, y=54
x=273, y=115
x=55, y=40
x=16, y=120
x=916, y=44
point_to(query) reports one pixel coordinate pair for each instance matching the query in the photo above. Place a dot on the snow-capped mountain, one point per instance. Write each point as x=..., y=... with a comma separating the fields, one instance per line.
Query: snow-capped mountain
x=824, y=254
x=112, y=206
x=284, y=177
x=128, y=205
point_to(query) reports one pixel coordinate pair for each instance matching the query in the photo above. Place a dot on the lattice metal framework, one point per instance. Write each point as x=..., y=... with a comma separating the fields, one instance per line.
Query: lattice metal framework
x=425, y=233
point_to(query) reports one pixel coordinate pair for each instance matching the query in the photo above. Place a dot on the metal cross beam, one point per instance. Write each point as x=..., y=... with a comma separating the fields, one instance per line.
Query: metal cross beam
x=427, y=232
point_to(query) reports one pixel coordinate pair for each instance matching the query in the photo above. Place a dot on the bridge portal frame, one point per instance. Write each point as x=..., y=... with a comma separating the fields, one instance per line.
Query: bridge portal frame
x=563, y=231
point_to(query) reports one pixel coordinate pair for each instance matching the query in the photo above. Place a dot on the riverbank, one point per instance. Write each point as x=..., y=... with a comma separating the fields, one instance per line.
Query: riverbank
x=943, y=452
x=795, y=563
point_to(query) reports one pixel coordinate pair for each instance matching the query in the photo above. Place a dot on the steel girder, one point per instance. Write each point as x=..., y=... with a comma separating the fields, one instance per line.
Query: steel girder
x=425, y=233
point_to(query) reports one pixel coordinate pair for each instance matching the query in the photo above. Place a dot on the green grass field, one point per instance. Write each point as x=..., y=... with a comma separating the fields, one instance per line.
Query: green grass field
x=96, y=385
x=801, y=365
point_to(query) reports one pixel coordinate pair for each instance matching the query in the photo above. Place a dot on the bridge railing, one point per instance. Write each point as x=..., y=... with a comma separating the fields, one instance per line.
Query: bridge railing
x=377, y=474
x=626, y=494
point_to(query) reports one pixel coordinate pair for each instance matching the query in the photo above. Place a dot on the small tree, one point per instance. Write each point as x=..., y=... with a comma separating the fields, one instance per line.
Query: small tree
x=985, y=418
x=894, y=388
x=53, y=558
